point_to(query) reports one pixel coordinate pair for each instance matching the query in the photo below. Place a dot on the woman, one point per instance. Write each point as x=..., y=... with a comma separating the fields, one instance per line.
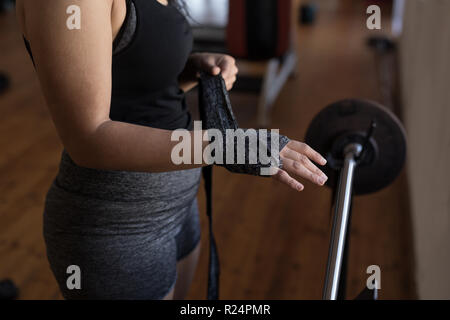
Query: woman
x=119, y=209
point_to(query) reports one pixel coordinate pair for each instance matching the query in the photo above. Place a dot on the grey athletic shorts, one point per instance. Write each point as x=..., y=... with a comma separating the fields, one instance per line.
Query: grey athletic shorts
x=124, y=230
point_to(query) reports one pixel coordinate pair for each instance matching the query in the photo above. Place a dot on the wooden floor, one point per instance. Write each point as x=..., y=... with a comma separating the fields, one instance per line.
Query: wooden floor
x=273, y=241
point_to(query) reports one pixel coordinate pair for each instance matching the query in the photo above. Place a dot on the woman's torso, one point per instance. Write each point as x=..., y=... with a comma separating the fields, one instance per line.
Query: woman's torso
x=145, y=73
x=144, y=91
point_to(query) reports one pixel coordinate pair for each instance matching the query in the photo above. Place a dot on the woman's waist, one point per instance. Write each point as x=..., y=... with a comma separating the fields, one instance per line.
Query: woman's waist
x=127, y=186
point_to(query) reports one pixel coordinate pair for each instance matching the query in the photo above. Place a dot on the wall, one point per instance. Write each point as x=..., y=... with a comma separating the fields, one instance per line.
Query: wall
x=425, y=64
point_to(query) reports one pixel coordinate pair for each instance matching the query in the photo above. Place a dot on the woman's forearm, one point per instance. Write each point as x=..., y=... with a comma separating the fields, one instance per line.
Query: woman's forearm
x=127, y=147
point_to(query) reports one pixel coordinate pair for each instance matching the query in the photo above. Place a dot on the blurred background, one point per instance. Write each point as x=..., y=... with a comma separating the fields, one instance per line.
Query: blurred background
x=273, y=241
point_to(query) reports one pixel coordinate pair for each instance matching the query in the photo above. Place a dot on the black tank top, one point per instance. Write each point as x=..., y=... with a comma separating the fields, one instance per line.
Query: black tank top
x=145, y=88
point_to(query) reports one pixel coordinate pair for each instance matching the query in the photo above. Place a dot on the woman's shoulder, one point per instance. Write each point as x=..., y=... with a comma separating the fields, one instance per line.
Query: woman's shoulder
x=24, y=8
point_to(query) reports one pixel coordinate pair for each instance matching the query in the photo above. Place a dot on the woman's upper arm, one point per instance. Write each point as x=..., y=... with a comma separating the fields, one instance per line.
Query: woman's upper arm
x=73, y=66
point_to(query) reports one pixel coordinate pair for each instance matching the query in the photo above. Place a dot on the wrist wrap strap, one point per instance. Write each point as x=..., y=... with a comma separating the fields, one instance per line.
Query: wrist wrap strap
x=216, y=113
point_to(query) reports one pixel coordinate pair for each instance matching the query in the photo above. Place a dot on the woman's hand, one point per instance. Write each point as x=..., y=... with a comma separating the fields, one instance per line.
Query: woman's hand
x=296, y=158
x=212, y=63
x=217, y=63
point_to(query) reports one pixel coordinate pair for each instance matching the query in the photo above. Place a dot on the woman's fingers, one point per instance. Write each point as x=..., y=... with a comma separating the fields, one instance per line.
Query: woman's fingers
x=229, y=72
x=303, y=148
x=285, y=178
x=299, y=169
x=227, y=65
x=208, y=63
x=304, y=160
x=215, y=70
x=230, y=82
x=217, y=64
x=296, y=160
x=212, y=67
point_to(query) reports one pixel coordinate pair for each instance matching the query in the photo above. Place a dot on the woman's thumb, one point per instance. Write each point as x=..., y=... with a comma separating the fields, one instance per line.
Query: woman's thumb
x=215, y=70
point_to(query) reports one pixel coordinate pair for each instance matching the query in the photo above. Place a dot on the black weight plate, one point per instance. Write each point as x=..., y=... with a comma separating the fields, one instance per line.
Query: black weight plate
x=353, y=117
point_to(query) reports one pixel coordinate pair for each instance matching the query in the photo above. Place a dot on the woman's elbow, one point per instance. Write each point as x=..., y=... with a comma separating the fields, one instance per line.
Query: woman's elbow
x=87, y=154
x=88, y=150
x=85, y=159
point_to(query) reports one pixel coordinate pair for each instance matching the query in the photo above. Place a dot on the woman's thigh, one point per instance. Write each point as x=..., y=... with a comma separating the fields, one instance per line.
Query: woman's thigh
x=188, y=251
x=186, y=270
x=128, y=267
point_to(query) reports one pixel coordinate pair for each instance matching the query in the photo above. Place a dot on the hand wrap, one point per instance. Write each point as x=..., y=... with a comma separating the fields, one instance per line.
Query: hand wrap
x=247, y=151
x=217, y=117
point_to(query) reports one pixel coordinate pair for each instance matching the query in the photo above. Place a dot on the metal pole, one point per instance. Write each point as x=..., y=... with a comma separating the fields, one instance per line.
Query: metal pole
x=340, y=222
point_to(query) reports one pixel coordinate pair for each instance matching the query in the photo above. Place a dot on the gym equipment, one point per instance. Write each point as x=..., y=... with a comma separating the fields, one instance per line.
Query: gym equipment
x=259, y=29
x=365, y=145
x=262, y=30
x=256, y=30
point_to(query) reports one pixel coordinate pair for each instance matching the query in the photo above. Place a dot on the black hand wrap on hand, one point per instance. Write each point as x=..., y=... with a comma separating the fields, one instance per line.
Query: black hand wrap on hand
x=252, y=148
x=240, y=151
